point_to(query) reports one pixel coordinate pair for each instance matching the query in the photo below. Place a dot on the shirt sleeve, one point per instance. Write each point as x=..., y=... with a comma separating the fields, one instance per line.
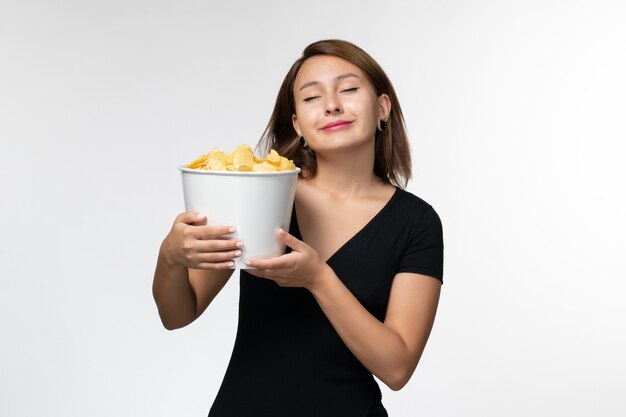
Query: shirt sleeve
x=424, y=250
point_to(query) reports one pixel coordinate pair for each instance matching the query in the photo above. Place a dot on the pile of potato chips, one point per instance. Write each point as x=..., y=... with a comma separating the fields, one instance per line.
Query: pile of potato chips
x=242, y=159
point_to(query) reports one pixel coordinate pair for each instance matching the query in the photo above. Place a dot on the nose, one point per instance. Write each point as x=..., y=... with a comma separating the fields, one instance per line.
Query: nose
x=333, y=106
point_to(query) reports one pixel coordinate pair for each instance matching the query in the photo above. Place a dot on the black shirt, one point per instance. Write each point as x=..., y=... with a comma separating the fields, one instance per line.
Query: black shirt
x=288, y=359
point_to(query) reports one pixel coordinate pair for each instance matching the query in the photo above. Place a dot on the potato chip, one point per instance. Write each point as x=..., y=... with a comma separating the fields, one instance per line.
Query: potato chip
x=217, y=154
x=214, y=163
x=198, y=162
x=242, y=159
x=273, y=157
x=283, y=164
x=243, y=156
x=264, y=167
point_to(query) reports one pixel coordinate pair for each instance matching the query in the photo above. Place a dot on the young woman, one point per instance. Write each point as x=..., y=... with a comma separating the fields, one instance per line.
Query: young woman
x=356, y=292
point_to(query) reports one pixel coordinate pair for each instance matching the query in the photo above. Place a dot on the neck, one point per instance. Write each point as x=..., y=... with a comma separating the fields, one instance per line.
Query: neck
x=346, y=173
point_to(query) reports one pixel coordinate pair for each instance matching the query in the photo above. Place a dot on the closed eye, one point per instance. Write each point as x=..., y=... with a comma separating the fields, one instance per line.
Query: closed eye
x=350, y=89
x=310, y=98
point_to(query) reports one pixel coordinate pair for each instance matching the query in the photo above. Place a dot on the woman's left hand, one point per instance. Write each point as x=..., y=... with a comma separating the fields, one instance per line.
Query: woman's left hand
x=302, y=267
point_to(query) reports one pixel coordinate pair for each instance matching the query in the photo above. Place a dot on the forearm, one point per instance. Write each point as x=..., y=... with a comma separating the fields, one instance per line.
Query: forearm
x=173, y=294
x=378, y=347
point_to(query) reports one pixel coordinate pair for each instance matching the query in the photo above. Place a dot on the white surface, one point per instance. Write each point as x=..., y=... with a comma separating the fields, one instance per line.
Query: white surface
x=515, y=111
x=256, y=203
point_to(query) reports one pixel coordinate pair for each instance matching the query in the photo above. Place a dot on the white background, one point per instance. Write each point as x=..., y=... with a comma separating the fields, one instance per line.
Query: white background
x=515, y=111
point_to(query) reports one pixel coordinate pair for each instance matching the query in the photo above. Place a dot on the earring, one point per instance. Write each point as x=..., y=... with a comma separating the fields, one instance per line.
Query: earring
x=382, y=125
x=303, y=142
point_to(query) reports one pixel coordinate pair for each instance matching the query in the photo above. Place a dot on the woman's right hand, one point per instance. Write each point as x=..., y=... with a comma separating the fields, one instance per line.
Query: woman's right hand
x=194, y=244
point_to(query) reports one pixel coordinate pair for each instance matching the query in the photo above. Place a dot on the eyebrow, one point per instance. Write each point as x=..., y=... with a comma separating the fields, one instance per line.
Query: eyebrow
x=339, y=77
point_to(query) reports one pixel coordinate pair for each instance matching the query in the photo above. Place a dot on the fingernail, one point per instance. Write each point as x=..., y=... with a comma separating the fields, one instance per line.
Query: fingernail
x=200, y=215
x=231, y=264
x=239, y=244
x=248, y=263
x=232, y=229
x=238, y=253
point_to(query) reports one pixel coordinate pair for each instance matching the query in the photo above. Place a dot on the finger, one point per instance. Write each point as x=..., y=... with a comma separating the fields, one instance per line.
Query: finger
x=193, y=257
x=212, y=231
x=215, y=257
x=190, y=217
x=218, y=245
x=218, y=265
x=290, y=240
x=279, y=262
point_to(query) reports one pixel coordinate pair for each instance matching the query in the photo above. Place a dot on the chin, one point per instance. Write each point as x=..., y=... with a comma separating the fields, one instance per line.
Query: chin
x=345, y=143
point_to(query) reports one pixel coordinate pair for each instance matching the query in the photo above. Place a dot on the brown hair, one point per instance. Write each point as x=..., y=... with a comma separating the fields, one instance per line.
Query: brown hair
x=393, y=160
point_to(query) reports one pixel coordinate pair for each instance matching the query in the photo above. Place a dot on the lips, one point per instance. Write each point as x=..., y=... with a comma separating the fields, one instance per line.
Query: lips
x=337, y=124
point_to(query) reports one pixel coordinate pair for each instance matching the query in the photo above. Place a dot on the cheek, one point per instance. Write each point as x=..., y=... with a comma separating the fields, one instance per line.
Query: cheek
x=365, y=111
x=307, y=118
x=360, y=103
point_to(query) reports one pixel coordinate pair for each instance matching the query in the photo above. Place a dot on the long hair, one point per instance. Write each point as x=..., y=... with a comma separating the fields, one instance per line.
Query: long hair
x=392, y=162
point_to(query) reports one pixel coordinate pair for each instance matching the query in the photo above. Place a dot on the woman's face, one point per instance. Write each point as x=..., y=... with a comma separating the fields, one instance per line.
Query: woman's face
x=336, y=105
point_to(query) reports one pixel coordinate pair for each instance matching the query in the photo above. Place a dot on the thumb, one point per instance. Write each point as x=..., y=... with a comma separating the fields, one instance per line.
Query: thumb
x=290, y=240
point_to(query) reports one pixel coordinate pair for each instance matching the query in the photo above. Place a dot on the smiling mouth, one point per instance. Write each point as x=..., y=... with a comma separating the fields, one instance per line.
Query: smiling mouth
x=336, y=125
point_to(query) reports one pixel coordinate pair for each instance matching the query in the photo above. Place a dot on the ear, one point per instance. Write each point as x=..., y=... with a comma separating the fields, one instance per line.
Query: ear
x=384, y=105
x=296, y=125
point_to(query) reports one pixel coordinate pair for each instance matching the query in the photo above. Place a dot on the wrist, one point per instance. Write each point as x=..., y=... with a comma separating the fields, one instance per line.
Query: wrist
x=166, y=258
x=322, y=279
